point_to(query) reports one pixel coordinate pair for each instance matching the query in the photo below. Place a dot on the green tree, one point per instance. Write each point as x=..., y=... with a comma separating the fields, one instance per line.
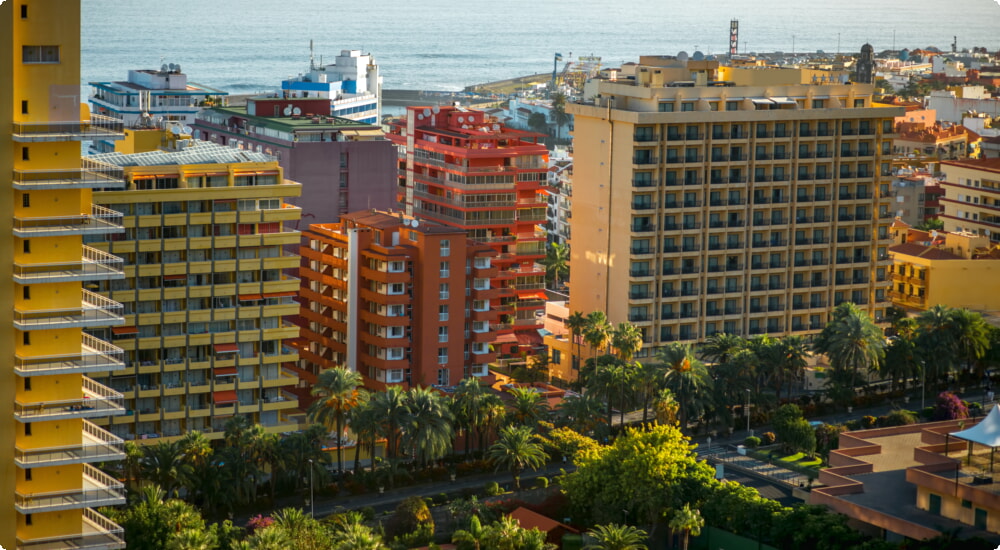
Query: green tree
x=366, y=426
x=614, y=536
x=971, y=338
x=410, y=515
x=686, y=521
x=152, y=522
x=192, y=539
x=467, y=407
x=576, y=324
x=936, y=340
x=643, y=472
x=428, y=429
x=507, y=534
x=902, y=355
x=337, y=392
x=583, y=413
x=528, y=407
x=516, y=449
x=556, y=262
x=538, y=123
x=559, y=115
x=612, y=379
x=626, y=339
x=357, y=537
x=688, y=379
x=392, y=409
x=597, y=332
x=853, y=343
x=471, y=538
x=163, y=465
x=793, y=356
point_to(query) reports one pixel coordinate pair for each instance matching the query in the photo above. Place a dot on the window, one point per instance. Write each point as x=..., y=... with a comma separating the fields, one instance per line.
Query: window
x=397, y=267
x=26, y=338
x=666, y=107
x=394, y=354
x=24, y=107
x=443, y=313
x=442, y=334
x=396, y=310
x=26, y=293
x=442, y=356
x=732, y=105
x=396, y=288
x=687, y=106
x=444, y=291
x=24, y=153
x=40, y=54
x=27, y=431
x=24, y=15
x=819, y=103
x=445, y=248
x=445, y=269
x=443, y=377
x=395, y=332
x=27, y=383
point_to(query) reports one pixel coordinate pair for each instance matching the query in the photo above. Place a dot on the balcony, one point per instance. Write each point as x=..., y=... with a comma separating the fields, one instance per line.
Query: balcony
x=100, y=221
x=94, y=265
x=97, y=446
x=95, y=356
x=97, y=401
x=94, y=311
x=90, y=175
x=96, y=533
x=98, y=127
x=99, y=489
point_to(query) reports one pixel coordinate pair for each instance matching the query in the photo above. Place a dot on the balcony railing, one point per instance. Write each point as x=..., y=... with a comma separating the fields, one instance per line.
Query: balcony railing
x=100, y=221
x=99, y=489
x=97, y=445
x=91, y=174
x=95, y=265
x=96, y=532
x=95, y=356
x=94, y=311
x=97, y=400
x=98, y=127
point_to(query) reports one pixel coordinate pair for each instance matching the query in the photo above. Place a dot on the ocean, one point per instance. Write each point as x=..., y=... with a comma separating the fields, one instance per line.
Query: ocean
x=245, y=46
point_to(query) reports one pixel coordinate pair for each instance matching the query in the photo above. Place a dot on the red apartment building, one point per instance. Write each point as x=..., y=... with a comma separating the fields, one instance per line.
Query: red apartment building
x=400, y=301
x=465, y=169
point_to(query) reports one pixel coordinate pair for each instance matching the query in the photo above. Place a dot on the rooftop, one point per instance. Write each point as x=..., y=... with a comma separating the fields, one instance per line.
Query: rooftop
x=293, y=123
x=989, y=164
x=196, y=152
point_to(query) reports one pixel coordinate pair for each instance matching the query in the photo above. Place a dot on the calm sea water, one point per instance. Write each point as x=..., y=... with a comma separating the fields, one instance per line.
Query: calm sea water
x=250, y=45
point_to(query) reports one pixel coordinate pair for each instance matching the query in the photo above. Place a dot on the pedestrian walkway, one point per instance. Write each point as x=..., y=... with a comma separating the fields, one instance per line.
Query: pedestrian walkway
x=749, y=464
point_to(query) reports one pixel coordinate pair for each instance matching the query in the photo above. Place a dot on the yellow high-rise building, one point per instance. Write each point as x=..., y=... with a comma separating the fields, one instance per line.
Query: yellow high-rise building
x=205, y=290
x=48, y=483
x=714, y=199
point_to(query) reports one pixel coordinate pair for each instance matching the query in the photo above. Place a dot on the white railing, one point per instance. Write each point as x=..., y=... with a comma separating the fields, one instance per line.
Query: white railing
x=94, y=263
x=98, y=445
x=100, y=220
x=91, y=173
x=94, y=310
x=103, y=490
x=97, y=532
x=97, y=126
x=94, y=354
x=97, y=400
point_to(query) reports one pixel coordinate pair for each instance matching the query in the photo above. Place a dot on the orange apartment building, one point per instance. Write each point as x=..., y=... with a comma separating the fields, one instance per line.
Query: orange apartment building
x=399, y=300
x=465, y=169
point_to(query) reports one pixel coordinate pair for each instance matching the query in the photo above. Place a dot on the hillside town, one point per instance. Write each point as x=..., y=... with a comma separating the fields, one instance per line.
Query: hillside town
x=713, y=301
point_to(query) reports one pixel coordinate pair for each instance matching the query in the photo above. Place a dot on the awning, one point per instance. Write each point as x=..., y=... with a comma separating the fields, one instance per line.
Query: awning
x=179, y=277
x=528, y=338
x=531, y=295
x=289, y=294
x=762, y=101
x=248, y=297
x=506, y=339
x=224, y=371
x=124, y=330
x=224, y=397
x=226, y=348
x=987, y=432
x=783, y=101
x=373, y=133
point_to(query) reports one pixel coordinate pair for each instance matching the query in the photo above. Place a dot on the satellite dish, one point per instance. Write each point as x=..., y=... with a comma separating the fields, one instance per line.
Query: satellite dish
x=296, y=111
x=698, y=56
x=682, y=56
x=461, y=119
x=187, y=130
x=420, y=117
x=163, y=67
x=175, y=130
x=414, y=223
x=172, y=66
x=287, y=111
x=177, y=67
x=934, y=234
x=437, y=109
x=427, y=112
x=987, y=232
x=496, y=126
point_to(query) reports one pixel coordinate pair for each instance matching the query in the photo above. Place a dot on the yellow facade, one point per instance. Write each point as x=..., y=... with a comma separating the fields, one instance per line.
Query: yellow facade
x=204, y=290
x=719, y=207
x=971, y=199
x=48, y=400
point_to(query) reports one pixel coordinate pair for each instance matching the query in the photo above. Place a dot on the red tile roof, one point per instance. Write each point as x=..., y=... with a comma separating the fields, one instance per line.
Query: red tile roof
x=530, y=520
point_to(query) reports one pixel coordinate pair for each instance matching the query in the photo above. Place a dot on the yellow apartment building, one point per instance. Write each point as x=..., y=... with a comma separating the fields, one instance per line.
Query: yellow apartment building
x=971, y=200
x=960, y=270
x=49, y=403
x=204, y=291
x=745, y=201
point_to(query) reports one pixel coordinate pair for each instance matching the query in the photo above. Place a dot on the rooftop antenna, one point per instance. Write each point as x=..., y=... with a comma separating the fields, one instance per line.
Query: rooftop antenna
x=312, y=65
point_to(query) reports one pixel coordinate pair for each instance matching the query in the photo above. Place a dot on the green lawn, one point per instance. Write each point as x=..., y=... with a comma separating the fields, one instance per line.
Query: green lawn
x=801, y=459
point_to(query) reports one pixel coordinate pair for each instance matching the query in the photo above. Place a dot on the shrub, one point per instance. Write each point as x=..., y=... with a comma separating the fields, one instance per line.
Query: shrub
x=368, y=513
x=899, y=417
x=949, y=407
x=492, y=489
x=975, y=408
x=259, y=523
x=868, y=421
x=852, y=425
x=411, y=515
x=752, y=442
x=441, y=498
x=927, y=413
x=768, y=438
x=542, y=481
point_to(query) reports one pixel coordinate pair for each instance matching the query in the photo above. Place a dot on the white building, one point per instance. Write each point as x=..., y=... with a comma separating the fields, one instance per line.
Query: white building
x=952, y=108
x=560, y=181
x=352, y=83
x=162, y=95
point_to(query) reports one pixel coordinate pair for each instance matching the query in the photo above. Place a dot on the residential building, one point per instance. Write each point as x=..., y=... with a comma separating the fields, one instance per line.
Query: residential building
x=403, y=302
x=952, y=105
x=149, y=96
x=971, y=199
x=937, y=267
x=713, y=205
x=560, y=183
x=915, y=197
x=343, y=165
x=50, y=403
x=352, y=84
x=461, y=168
x=204, y=291
x=938, y=142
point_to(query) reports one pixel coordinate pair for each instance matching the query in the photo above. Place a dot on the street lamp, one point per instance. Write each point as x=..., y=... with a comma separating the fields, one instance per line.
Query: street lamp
x=625, y=512
x=312, y=503
x=749, y=433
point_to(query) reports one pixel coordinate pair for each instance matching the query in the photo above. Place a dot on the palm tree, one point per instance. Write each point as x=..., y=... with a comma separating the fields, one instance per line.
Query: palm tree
x=687, y=378
x=936, y=338
x=902, y=355
x=517, y=449
x=559, y=115
x=196, y=452
x=556, y=262
x=467, y=407
x=971, y=336
x=597, y=333
x=428, y=430
x=272, y=538
x=583, y=413
x=392, y=409
x=853, y=342
x=528, y=407
x=492, y=411
x=132, y=466
x=720, y=347
x=163, y=465
x=338, y=393
x=576, y=324
x=193, y=539
x=626, y=339
x=666, y=407
x=616, y=537
x=471, y=538
x=687, y=521
x=366, y=427
x=794, y=356
x=647, y=381
x=270, y=453
x=357, y=536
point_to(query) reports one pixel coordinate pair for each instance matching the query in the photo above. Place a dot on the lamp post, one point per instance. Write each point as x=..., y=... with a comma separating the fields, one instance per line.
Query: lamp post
x=312, y=503
x=749, y=433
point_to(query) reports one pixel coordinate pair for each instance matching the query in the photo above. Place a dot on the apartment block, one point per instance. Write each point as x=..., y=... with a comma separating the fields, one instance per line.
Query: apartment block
x=937, y=267
x=403, y=302
x=465, y=169
x=204, y=291
x=745, y=201
x=971, y=200
x=50, y=485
